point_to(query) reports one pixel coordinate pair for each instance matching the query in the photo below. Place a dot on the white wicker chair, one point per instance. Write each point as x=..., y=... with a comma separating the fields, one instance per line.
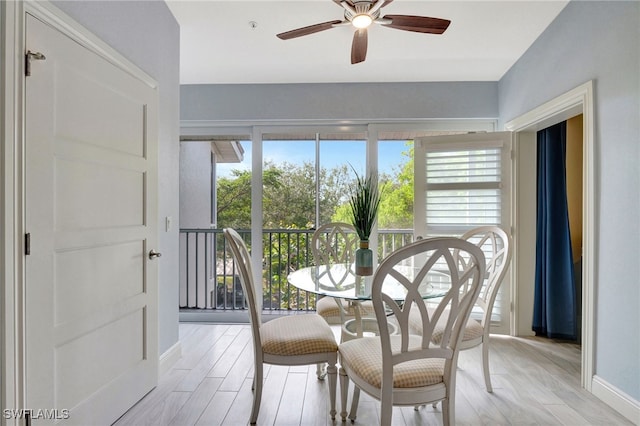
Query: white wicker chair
x=496, y=245
x=407, y=369
x=330, y=244
x=289, y=340
x=334, y=243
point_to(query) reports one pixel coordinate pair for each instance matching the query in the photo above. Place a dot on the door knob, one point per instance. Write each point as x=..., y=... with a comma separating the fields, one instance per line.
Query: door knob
x=153, y=254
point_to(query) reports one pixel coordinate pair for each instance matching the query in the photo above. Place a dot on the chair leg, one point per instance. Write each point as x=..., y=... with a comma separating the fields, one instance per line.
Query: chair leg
x=320, y=371
x=344, y=390
x=354, y=404
x=485, y=365
x=446, y=418
x=332, y=373
x=257, y=393
x=386, y=407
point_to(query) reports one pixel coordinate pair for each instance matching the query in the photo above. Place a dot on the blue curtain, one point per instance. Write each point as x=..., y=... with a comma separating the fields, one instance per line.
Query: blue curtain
x=554, y=313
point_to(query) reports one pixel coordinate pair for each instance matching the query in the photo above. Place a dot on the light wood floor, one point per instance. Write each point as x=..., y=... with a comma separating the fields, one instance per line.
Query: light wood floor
x=535, y=382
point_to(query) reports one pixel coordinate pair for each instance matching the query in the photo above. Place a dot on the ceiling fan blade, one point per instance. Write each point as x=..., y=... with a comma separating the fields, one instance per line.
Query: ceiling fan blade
x=299, y=32
x=386, y=3
x=418, y=24
x=359, y=46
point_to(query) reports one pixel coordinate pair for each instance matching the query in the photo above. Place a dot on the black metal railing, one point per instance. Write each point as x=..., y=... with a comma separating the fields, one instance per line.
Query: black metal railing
x=209, y=279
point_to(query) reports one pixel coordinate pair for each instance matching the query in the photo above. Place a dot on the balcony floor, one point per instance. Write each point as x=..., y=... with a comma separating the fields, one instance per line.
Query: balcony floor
x=535, y=381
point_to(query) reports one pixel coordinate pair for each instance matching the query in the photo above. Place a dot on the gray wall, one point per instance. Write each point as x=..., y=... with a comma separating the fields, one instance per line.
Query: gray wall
x=599, y=41
x=146, y=33
x=346, y=101
x=195, y=185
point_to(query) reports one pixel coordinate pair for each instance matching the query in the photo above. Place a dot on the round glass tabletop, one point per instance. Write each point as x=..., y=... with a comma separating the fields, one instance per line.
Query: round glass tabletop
x=340, y=280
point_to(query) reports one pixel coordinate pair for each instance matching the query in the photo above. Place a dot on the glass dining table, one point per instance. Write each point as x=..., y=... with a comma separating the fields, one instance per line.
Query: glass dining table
x=341, y=282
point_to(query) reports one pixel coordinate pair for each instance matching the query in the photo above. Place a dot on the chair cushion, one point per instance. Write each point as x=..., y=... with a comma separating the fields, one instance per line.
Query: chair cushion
x=297, y=335
x=327, y=308
x=364, y=358
x=472, y=330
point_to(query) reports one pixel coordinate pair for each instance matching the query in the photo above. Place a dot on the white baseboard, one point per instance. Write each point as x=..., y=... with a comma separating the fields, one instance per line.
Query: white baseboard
x=616, y=399
x=170, y=357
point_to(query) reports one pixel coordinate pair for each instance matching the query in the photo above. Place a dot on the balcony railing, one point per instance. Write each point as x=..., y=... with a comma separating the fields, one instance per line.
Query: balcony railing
x=209, y=279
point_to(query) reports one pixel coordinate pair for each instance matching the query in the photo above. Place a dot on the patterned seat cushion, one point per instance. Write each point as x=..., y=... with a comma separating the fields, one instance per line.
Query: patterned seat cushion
x=364, y=358
x=328, y=309
x=472, y=330
x=297, y=335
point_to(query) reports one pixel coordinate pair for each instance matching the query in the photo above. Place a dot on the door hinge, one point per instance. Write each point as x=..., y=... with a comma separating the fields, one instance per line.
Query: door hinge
x=27, y=244
x=27, y=60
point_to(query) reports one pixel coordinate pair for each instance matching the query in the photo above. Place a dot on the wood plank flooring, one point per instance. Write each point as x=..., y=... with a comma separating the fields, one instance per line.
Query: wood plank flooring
x=535, y=382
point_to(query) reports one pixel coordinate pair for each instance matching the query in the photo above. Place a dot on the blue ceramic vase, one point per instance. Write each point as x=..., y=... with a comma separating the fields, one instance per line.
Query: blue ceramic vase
x=364, y=259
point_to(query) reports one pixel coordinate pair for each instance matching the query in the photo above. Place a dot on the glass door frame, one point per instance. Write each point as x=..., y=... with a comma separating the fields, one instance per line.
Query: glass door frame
x=372, y=129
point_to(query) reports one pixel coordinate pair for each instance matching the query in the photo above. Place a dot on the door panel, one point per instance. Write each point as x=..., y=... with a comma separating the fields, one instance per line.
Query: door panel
x=79, y=292
x=107, y=185
x=113, y=122
x=90, y=203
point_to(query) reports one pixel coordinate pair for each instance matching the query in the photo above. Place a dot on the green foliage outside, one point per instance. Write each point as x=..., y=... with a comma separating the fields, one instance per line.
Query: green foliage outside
x=396, y=204
x=289, y=203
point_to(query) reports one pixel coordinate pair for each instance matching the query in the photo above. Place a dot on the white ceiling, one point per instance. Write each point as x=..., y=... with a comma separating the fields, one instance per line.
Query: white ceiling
x=218, y=44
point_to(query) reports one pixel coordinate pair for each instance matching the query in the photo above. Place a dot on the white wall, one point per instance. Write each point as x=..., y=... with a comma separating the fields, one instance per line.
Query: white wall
x=599, y=41
x=147, y=34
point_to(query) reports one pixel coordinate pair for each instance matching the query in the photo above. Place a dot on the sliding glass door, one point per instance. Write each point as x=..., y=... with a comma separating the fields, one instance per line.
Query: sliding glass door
x=276, y=184
x=305, y=180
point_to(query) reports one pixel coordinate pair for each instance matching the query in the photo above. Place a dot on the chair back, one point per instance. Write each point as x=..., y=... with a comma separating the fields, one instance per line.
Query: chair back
x=412, y=266
x=496, y=246
x=242, y=261
x=333, y=243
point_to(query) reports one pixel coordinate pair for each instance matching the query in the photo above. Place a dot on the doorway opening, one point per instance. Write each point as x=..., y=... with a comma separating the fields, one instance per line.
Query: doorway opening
x=573, y=103
x=558, y=256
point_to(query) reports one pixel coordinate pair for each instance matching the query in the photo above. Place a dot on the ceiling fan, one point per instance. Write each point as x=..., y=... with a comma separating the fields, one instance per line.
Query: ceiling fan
x=361, y=14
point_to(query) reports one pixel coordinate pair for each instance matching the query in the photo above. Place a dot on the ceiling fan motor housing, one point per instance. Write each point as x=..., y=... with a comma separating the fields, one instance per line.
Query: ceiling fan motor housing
x=361, y=7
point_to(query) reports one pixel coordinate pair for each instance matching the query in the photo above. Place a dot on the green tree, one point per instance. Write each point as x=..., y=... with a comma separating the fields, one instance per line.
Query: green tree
x=292, y=202
x=334, y=190
x=396, y=207
x=288, y=195
x=234, y=196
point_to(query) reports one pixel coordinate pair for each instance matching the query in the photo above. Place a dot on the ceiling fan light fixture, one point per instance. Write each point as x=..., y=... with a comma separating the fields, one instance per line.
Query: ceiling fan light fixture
x=362, y=20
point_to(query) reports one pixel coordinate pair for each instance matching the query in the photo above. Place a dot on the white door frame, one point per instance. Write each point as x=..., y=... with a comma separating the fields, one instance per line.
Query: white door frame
x=567, y=105
x=11, y=264
x=12, y=48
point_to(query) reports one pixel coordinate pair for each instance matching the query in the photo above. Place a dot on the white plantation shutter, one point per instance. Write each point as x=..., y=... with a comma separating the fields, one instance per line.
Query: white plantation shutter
x=463, y=182
x=463, y=188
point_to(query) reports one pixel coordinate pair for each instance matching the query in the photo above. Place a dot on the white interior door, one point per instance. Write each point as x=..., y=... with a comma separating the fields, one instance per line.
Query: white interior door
x=462, y=182
x=90, y=210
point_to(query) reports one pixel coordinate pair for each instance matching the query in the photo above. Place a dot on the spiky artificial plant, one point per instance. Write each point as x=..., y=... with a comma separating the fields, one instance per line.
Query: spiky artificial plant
x=364, y=203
